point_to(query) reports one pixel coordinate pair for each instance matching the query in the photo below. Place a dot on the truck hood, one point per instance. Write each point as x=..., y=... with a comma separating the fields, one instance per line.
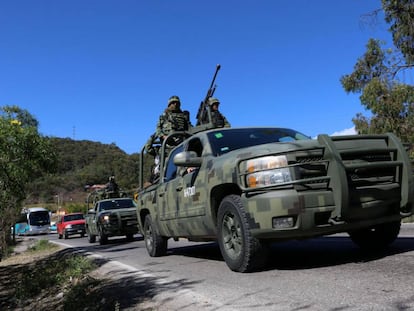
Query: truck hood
x=75, y=222
x=271, y=148
x=120, y=211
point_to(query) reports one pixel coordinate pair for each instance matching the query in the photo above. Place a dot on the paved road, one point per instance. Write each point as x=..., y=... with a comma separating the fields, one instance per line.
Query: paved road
x=328, y=273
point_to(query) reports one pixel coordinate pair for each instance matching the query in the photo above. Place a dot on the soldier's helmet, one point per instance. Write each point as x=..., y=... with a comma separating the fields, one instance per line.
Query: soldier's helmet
x=174, y=99
x=212, y=101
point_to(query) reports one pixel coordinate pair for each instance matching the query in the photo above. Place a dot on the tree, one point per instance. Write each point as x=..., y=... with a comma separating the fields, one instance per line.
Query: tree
x=378, y=72
x=24, y=154
x=400, y=15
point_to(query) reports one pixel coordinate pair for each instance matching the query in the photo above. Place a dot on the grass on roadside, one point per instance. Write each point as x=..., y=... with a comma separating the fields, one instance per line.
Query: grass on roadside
x=51, y=273
x=47, y=277
x=56, y=274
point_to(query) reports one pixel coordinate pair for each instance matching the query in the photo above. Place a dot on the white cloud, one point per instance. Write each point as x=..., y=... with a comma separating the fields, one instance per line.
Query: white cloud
x=350, y=131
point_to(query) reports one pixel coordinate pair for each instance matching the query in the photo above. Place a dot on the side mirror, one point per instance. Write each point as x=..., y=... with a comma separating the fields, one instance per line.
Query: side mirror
x=187, y=158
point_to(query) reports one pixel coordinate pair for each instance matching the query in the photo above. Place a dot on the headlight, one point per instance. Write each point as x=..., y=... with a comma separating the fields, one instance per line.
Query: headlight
x=68, y=226
x=105, y=218
x=267, y=171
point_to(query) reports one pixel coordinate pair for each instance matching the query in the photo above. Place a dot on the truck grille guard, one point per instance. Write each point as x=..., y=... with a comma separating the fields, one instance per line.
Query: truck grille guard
x=360, y=170
x=125, y=219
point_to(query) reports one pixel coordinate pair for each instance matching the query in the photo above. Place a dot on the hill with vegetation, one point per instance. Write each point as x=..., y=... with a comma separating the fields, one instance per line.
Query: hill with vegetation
x=81, y=164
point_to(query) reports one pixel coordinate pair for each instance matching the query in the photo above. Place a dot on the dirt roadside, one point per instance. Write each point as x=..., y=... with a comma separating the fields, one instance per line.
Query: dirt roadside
x=106, y=288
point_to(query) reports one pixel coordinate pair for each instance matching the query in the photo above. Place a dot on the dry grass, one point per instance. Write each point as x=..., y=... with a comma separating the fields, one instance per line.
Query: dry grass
x=51, y=278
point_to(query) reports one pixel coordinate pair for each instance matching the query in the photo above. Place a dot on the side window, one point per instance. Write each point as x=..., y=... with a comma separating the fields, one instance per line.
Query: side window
x=196, y=146
x=171, y=168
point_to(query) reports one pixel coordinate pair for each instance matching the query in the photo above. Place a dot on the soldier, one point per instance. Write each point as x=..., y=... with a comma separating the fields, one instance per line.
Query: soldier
x=217, y=118
x=173, y=119
x=112, y=185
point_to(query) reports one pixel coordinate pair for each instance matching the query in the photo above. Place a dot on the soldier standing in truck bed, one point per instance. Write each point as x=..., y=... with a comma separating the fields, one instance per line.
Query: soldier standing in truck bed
x=217, y=118
x=173, y=119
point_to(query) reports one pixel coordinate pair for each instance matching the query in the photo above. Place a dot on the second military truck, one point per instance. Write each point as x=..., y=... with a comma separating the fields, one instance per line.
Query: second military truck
x=249, y=187
x=111, y=217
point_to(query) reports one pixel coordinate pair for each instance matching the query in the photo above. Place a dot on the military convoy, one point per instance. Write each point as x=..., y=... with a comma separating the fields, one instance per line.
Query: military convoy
x=249, y=187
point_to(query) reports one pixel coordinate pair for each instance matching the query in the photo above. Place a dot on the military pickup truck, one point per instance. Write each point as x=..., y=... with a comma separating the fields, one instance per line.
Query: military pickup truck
x=111, y=217
x=253, y=186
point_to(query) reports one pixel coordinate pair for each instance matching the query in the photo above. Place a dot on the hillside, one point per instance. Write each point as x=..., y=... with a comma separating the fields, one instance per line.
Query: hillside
x=82, y=163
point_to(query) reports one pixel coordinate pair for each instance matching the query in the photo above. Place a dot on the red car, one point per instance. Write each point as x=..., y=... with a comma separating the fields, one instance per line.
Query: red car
x=70, y=224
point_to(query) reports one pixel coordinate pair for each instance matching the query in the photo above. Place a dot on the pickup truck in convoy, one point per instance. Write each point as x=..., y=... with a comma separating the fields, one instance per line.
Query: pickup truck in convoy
x=111, y=217
x=71, y=224
x=249, y=187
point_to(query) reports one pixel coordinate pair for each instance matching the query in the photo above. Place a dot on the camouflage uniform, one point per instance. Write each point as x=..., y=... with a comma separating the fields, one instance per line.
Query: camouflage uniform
x=217, y=118
x=173, y=119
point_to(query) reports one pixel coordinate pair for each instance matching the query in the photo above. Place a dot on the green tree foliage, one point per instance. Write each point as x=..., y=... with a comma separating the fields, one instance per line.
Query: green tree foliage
x=81, y=163
x=400, y=15
x=24, y=155
x=378, y=72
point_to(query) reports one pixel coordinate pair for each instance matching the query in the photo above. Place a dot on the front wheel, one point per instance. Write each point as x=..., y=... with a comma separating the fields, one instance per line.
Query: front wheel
x=156, y=245
x=91, y=237
x=377, y=237
x=103, y=238
x=241, y=251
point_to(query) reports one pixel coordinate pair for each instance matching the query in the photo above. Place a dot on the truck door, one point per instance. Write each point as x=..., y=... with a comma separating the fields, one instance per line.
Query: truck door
x=167, y=202
x=190, y=186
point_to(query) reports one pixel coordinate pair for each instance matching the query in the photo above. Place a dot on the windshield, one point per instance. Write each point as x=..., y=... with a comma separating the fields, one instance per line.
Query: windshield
x=73, y=217
x=223, y=141
x=116, y=204
x=40, y=218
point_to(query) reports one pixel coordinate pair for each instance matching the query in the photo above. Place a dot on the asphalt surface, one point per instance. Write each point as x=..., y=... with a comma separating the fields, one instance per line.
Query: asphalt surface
x=328, y=273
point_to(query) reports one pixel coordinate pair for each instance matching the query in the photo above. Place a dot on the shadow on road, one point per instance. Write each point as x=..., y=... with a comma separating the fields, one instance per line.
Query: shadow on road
x=306, y=254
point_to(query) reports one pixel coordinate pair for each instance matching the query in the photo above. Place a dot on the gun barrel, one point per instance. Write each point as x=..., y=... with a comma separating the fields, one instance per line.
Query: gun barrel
x=218, y=66
x=203, y=109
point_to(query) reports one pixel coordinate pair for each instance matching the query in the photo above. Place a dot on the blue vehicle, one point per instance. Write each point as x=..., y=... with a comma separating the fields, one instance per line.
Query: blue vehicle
x=32, y=221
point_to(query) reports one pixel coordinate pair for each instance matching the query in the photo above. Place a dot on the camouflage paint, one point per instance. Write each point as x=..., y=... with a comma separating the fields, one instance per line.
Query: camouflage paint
x=326, y=203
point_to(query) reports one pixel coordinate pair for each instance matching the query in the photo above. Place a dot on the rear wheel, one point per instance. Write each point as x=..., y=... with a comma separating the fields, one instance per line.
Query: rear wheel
x=156, y=245
x=241, y=251
x=377, y=237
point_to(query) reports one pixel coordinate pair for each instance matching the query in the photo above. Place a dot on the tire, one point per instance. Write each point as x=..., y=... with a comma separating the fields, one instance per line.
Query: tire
x=91, y=237
x=103, y=238
x=377, y=237
x=241, y=251
x=156, y=245
x=130, y=237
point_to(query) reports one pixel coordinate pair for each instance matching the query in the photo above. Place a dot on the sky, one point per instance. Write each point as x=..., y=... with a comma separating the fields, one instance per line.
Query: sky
x=103, y=70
